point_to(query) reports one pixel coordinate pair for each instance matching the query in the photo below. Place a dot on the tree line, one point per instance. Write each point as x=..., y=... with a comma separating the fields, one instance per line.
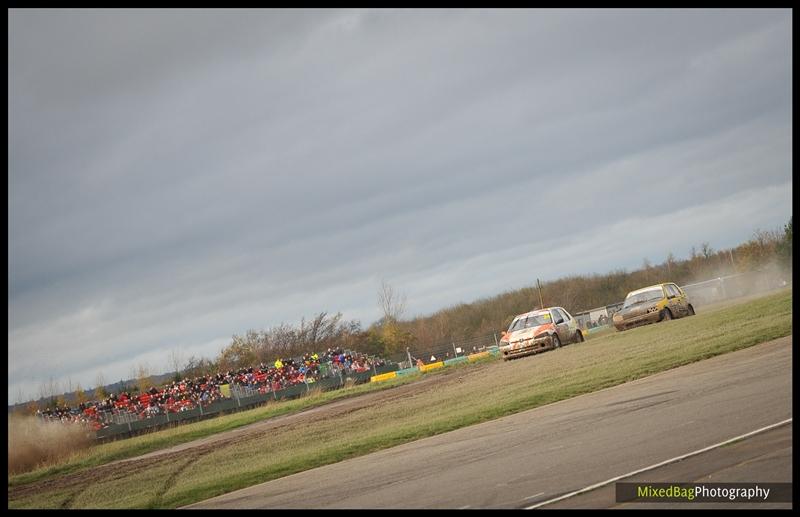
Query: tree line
x=391, y=336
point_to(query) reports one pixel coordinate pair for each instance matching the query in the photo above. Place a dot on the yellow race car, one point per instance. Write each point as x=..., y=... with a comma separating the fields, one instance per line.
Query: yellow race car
x=652, y=304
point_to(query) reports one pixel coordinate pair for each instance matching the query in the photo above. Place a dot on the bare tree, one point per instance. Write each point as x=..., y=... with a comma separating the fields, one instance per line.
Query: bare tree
x=176, y=360
x=100, y=387
x=670, y=263
x=141, y=374
x=100, y=380
x=315, y=330
x=48, y=391
x=391, y=302
x=20, y=395
x=80, y=395
x=191, y=366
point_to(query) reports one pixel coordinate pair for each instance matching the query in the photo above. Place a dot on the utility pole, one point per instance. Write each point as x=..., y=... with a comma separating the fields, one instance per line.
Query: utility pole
x=541, y=303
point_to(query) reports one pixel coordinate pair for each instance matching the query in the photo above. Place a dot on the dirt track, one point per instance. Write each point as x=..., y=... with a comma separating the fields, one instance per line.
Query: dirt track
x=188, y=453
x=538, y=455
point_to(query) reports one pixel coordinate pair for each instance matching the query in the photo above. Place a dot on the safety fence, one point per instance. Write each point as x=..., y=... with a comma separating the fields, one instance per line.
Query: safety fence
x=447, y=349
x=699, y=293
x=733, y=286
x=597, y=318
x=593, y=320
x=421, y=367
x=238, y=397
x=124, y=424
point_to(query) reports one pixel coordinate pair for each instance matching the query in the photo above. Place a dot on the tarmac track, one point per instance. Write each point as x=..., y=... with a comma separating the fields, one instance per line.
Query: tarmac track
x=537, y=455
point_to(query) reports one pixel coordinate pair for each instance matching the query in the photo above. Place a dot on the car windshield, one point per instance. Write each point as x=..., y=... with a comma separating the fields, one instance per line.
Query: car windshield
x=650, y=295
x=532, y=320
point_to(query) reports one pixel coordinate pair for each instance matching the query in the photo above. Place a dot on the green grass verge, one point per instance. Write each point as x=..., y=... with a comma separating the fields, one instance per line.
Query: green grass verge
x=480, y=394
x=183, y=433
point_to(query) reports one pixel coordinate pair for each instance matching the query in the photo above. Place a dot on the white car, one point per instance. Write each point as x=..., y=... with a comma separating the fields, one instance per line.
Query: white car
x=539, y=330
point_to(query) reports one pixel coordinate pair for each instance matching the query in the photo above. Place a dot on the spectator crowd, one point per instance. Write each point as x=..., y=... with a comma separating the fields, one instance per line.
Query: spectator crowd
x=200, y=391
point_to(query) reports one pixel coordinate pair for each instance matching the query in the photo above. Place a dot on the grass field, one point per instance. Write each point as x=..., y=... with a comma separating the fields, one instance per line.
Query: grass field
x=183, y=433
x=468, y=394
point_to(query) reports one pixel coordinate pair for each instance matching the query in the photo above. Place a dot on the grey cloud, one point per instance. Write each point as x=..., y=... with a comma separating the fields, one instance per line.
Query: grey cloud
x=179, y=178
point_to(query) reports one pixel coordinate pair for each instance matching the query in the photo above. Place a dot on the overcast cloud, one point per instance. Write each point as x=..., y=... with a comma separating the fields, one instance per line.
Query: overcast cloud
x=176, y=177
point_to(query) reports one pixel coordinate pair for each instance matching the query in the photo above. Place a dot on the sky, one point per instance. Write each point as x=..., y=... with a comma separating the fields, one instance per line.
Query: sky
x=179, y=176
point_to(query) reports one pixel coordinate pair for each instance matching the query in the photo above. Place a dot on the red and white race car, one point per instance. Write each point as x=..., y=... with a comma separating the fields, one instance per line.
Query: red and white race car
x=539, y=330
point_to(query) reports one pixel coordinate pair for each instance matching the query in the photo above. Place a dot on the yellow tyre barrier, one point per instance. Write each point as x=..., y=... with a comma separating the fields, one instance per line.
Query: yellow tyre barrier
x=475, y=357
x=432, y=366
x=383, y=377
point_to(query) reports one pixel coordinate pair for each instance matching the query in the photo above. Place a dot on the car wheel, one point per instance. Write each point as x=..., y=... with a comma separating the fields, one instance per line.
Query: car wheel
x=691, y=311
x=556, y=341
x=579, y=337
x=666, y=315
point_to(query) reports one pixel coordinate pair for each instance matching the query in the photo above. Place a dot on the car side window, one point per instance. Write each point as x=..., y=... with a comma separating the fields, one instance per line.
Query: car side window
x=564, y=314
x=672, y=291
x=677, y=290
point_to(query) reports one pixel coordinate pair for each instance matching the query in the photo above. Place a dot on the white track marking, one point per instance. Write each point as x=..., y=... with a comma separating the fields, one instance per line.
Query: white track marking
x=651, y=467
x=532, y=496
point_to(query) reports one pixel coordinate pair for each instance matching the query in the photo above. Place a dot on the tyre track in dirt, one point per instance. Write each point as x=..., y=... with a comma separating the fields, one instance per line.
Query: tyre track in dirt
x=192, y=451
